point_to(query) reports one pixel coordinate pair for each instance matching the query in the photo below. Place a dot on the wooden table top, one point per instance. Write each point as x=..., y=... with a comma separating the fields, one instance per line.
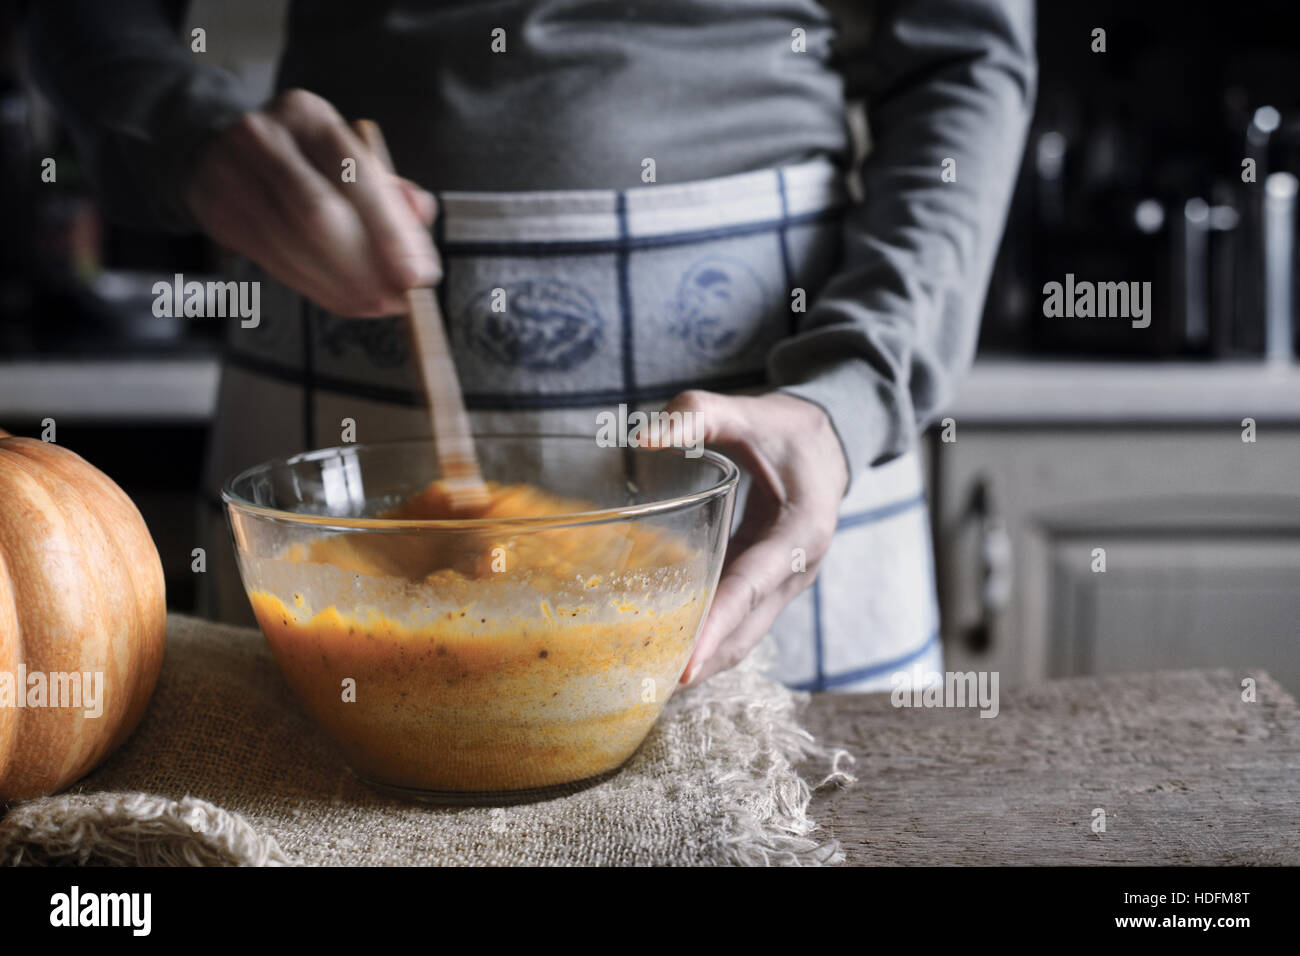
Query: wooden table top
x=1184, y=769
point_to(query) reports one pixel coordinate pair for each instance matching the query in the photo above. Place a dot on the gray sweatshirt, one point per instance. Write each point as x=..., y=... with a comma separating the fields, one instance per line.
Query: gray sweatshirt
x=586, y=90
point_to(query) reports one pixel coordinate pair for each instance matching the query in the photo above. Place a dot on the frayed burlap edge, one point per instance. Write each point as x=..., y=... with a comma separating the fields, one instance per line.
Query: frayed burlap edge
x=766, y=821
x=131, y=829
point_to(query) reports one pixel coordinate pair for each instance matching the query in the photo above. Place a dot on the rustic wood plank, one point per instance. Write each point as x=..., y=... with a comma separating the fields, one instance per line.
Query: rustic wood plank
x=1186, y=771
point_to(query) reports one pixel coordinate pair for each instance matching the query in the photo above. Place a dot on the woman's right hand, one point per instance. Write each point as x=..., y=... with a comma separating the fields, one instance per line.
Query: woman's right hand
x=271, y=187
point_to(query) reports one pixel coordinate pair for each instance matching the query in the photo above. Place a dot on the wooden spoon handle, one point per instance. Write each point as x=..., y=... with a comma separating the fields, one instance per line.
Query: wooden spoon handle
x=452, y=438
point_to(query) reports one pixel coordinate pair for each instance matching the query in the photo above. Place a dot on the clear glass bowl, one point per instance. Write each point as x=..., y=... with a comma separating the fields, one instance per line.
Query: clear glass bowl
x=491, y=659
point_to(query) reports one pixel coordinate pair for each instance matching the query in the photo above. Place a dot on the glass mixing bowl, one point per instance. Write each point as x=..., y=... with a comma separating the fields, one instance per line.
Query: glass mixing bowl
x=489, y=659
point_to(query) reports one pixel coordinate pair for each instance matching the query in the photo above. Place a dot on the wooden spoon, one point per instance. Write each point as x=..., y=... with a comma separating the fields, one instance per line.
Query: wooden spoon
x=452, y=439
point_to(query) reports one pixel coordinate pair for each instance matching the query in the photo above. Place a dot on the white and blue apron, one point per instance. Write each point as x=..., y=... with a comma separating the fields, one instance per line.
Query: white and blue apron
x=613, y=297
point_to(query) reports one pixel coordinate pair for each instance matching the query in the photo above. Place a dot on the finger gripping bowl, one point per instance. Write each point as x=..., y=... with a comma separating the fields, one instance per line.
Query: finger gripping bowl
x=498, y=655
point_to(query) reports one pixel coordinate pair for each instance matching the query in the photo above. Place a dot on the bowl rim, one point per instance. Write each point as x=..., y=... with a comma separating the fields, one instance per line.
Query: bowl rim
x=730, y=479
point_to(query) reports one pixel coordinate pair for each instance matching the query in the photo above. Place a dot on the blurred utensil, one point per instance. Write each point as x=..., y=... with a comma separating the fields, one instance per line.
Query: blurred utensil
x=1279, y=258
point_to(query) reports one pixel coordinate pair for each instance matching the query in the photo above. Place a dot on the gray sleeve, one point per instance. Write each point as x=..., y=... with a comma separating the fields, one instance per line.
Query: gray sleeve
x=881, y=347
x=137, y=102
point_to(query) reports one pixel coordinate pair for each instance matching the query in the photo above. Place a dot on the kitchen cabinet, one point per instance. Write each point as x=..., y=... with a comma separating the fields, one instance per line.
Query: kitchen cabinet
x=1068, y=548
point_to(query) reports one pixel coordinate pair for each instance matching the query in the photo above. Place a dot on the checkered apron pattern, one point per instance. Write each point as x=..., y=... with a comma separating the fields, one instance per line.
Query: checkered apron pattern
x=613, y=297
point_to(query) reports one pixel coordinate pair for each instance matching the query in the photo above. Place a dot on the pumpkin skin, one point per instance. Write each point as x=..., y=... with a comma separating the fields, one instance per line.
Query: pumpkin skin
x=81, y=589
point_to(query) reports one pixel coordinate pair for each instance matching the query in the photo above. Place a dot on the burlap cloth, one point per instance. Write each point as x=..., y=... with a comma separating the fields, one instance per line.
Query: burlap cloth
x=224, y=769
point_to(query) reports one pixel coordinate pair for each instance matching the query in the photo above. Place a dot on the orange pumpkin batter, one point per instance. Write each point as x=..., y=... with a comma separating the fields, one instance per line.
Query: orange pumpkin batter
x=470, y=696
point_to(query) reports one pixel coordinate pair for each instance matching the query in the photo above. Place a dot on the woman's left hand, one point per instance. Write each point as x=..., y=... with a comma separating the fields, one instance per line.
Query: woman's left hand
x=799, y=477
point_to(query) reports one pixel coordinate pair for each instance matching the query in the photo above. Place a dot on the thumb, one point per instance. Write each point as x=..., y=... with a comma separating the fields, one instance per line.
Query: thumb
x=421, y=201
x=733, y=422
x=695, y=417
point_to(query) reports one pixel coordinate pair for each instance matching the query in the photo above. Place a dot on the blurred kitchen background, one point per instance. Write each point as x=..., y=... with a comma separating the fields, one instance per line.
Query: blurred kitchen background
x=1072, y=435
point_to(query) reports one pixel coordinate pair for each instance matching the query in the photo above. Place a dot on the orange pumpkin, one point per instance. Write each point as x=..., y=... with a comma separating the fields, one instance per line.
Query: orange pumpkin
x=81, y=593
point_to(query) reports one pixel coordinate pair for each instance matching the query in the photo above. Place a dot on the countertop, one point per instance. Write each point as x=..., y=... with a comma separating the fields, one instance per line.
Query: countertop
x=180, y=390
x=1186, y=772
x=995, y=392
x=1026, y=391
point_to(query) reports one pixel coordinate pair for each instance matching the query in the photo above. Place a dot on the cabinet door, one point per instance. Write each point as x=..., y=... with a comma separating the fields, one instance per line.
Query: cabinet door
x=1177, y=601
x=1201, y=534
